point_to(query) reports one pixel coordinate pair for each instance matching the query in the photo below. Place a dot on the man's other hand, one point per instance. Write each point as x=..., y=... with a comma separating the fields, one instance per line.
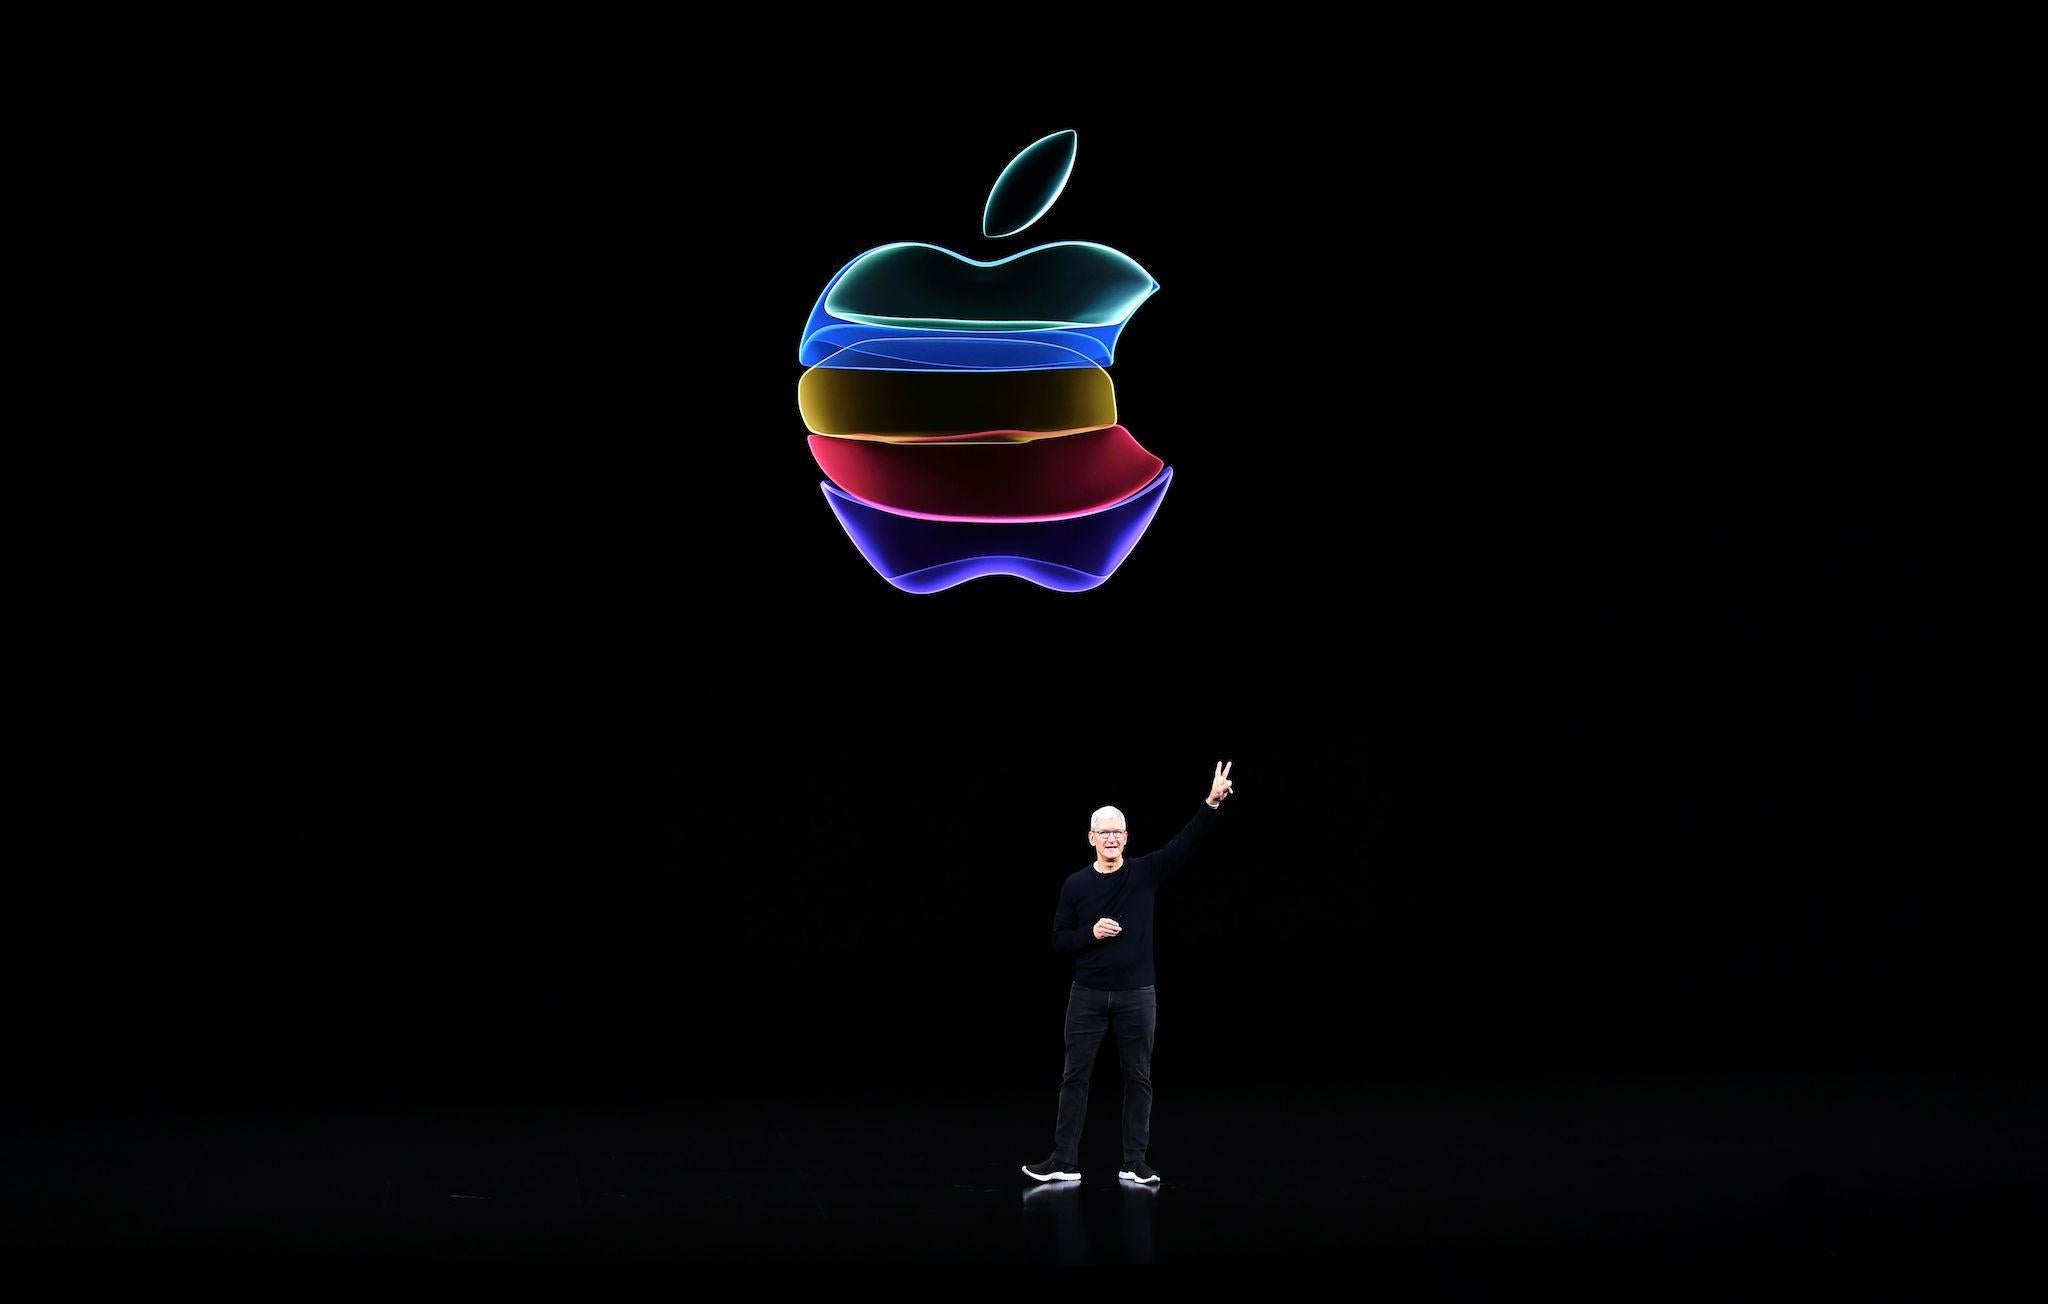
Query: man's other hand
x=1219, y=786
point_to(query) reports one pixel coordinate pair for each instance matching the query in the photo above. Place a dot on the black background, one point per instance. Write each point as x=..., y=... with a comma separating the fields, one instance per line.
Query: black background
x=505, y=718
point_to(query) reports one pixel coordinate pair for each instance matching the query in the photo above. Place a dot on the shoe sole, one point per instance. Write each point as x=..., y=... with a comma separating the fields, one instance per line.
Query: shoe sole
x=1135, y=1178
x=1056, y=1175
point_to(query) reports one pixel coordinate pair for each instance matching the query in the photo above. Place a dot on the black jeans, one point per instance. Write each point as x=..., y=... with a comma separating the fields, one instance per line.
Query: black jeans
x=1090, y=1013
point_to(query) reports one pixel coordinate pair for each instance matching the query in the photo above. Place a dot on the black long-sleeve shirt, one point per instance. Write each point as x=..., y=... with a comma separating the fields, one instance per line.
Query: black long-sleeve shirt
x=1126, y=895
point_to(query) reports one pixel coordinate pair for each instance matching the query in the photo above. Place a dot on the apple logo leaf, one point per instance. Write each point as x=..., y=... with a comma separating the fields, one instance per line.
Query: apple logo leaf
x=1028, y=187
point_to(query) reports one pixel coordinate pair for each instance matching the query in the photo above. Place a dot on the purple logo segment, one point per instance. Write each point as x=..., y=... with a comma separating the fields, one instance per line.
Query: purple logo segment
x=923, y=556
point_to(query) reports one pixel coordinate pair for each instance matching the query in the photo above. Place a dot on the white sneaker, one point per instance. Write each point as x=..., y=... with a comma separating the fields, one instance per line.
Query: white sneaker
x=1050, y=1171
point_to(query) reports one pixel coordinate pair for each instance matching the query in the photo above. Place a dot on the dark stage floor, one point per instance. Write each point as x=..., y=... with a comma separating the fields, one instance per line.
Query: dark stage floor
x=1463, y=1183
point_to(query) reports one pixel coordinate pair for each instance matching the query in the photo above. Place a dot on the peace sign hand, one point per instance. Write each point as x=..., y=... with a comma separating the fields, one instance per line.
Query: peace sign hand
x=1219, y=787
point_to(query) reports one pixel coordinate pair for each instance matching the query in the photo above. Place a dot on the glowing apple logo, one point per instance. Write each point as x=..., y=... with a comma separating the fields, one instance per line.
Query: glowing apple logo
x=963, y=412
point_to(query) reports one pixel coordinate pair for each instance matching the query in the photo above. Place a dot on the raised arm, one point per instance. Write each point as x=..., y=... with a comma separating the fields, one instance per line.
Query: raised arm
x=1172, y=857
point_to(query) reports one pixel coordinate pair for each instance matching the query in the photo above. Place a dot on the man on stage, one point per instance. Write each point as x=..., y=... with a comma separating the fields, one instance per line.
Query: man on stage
x=1105, y=919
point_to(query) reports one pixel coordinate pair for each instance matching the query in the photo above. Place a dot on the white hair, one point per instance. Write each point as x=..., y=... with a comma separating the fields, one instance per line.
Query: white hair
x=1106, y=813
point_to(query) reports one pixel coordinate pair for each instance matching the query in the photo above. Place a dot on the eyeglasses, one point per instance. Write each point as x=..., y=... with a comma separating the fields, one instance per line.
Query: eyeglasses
x=1109, y=833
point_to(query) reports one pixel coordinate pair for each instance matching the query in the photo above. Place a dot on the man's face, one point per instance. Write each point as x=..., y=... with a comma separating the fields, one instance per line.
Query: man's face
x=1108, y=840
